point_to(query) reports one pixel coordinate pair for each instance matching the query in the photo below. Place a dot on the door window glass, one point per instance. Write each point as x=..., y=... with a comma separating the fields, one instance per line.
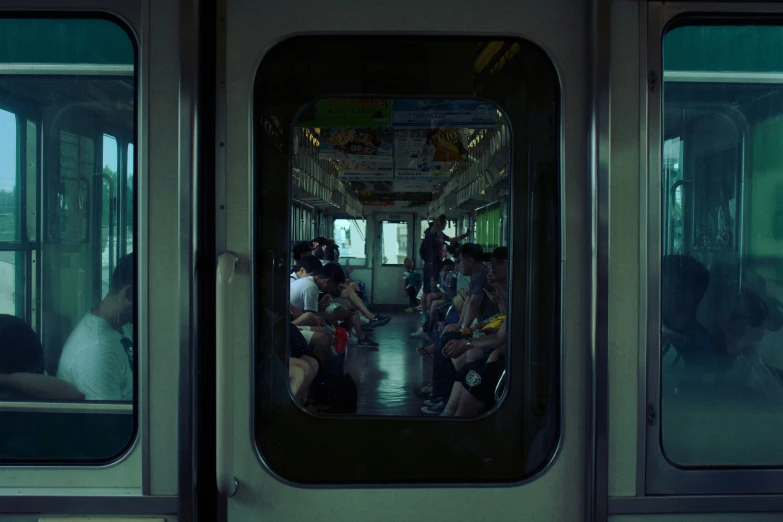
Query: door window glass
x=722, y=266
x=67, y=287
x=394, y=242
x=350, y=235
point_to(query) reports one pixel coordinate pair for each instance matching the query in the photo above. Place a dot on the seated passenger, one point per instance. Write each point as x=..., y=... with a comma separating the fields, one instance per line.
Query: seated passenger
x=347, y=295
x=21, y=366
x=319, y=245
x=299, y=251
x=684, y=283
x=305, y=296
x=96, y=357
x=482, y=304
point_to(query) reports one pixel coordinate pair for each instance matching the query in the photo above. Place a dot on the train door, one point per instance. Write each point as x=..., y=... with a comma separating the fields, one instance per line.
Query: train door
x=308, y=84
x=690, y=434
x=89, y=243
x=393, y=244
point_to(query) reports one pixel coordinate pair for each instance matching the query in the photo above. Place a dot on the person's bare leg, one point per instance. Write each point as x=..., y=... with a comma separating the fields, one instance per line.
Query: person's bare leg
x=356, y=302
x=356, y=324
x=454, y=398
x=320, y=346
x=296, y=377
x=469, y=406
x=306, y=319
x=312, y=371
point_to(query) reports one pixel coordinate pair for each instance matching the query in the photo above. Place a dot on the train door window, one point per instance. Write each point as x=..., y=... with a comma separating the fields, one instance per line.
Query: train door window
x=720, y=381
x=350, y=235
x=394, y=242
x=67, y=374
x=415, y=140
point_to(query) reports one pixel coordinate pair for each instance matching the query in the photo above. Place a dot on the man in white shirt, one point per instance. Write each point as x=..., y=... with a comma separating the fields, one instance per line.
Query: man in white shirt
x=97, y=357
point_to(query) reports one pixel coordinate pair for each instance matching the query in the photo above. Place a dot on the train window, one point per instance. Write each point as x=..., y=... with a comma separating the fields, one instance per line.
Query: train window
x=437, y=127
x=721, y=387
x=350, y=235
x=394, y=242
x=67, y=267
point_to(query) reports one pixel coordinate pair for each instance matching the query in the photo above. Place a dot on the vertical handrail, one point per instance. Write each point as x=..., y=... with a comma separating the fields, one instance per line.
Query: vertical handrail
x=224, y=379
x=499, y=386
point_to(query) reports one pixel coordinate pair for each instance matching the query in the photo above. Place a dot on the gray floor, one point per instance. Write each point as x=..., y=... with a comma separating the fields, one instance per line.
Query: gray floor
x=385, y=378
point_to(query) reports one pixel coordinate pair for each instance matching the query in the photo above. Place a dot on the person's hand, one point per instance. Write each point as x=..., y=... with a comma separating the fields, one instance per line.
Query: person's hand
x=494, y=296
x=324, y=303
x=343, y=314
x=451, y=328
x=349, y=270
x=455, y=348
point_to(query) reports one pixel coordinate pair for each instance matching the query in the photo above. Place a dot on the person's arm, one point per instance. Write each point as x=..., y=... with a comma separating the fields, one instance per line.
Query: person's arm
x=295, y=312
x=470, y=311
x=310, y=298
x=457, y=347
x=496, y=297
x=40, y=387
x=466, y=314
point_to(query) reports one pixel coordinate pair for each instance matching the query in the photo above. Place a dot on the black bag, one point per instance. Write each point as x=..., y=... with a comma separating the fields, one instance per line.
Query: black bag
x=339, y=394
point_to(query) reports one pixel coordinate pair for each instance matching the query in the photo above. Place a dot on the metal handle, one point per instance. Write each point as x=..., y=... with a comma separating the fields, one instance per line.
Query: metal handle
x=224, y=379
x=498, y=393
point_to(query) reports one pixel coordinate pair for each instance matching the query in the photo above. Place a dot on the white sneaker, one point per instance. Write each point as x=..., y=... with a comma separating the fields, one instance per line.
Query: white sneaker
x=420, y=333
x=363, y=319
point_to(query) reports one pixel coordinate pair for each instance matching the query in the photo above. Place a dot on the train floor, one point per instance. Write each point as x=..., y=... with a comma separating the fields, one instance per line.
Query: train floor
x=386, y=378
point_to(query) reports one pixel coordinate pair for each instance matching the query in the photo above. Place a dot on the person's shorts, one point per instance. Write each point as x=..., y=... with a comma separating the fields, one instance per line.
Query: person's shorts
x=307, y=333
x=481, y=378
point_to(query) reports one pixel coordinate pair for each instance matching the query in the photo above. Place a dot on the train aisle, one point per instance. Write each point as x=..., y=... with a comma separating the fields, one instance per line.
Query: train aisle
x=386, y=378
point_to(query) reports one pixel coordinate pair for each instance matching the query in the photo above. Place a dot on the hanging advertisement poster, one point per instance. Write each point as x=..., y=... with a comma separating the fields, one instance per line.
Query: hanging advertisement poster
x=346, y=112
x=366, y=144
x=350, y=170
x=430, y=114
x=428, y=154
x=398, y=196
x=366, y=189
x=402, y=185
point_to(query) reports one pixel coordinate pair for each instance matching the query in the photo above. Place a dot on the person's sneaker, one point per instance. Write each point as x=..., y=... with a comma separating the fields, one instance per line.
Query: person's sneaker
x=409, y=310
x=369, y=344
x=420, y=334
x=363, y=319
x=435, y=408
x=418, y=309
x=433, y=400
x=380, y=320
x=423, y=391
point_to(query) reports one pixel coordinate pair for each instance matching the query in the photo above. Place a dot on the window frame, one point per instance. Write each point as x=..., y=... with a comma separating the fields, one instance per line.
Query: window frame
x=269, y=281
x=659, y=475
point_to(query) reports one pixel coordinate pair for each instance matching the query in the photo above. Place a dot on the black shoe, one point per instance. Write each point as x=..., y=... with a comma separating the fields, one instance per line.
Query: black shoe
x=379, y=321
x=369, y=344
